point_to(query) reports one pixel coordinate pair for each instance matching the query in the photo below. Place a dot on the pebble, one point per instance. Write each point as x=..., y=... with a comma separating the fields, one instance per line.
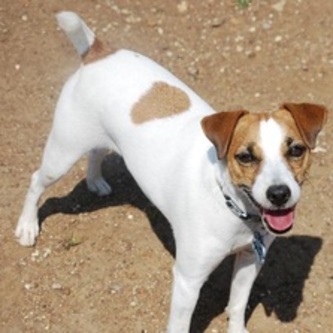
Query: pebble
x=217, y=22
x=133, y=19
x=56, y=286
x=239, y=48
x=35, y=255
x=193, y=71
x=169, y=54
x=133, y=303
x=115, y=288
x=47, y=252
x=278, y=39
x=28, y=286
x=279, y=6
x=266, y=25
x=182, y=7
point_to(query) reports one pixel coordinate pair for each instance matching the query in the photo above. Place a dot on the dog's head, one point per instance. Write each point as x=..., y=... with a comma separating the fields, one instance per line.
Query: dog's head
x=268, y=155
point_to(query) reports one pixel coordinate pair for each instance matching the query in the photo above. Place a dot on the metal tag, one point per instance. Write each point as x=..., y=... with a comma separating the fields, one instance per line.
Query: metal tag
x=259, y=247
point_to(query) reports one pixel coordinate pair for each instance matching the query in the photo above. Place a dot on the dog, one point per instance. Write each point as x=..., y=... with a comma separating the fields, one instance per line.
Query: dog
x=228, y=182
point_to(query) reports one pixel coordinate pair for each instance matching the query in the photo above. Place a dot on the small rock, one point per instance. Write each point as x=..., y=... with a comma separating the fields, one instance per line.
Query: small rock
x=250, y=54
x=279, y=6
x=278, y=39
x=56, y=286
x=115, y=288
x=217, y=22
x=239, y=48
x=193, y=71
x=47, y=252
x=35, y=255
x=133, y=303
x=182, y=7
x=28, y=286
x=132, y=19
x=151, y=22
x=266, y=25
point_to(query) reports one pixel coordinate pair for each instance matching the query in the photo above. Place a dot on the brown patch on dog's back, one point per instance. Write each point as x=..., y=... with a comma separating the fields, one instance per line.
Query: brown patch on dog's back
x=161, y=101
x=96, y=52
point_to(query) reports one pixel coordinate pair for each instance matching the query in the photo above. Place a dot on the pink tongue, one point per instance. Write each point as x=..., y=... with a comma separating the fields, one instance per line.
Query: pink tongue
x=279, y=220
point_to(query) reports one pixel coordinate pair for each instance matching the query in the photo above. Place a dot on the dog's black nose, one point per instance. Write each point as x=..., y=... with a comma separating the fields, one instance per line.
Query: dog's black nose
x=278, y=195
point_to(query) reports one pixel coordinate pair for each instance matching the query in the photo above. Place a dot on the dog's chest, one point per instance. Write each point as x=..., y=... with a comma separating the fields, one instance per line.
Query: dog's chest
x=245, y=234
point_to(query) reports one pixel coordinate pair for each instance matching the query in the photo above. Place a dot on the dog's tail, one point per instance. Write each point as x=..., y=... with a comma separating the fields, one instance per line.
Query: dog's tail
x=81, y=36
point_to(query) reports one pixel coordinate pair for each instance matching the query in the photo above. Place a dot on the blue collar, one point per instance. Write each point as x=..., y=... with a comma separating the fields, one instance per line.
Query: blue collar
x=258, y=244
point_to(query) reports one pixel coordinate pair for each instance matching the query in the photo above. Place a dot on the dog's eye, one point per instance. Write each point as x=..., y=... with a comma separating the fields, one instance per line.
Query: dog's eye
x=296, y=151
x=246, y=157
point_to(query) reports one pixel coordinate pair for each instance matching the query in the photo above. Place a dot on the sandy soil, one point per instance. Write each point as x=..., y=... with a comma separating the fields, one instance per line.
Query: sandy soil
x=104, y=265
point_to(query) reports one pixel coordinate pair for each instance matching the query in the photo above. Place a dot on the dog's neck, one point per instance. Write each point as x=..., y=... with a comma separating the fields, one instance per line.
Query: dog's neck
x=235, y=198
x=240, y=205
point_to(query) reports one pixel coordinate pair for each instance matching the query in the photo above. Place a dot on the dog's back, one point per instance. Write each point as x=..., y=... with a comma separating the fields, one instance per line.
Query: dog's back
x=132, y=103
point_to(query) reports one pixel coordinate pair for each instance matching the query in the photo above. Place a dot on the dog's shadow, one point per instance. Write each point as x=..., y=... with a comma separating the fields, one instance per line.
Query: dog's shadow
x=279, y=286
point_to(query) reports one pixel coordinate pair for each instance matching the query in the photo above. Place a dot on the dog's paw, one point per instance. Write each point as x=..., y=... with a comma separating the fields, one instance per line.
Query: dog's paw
x=99, y=186
x=27, y=233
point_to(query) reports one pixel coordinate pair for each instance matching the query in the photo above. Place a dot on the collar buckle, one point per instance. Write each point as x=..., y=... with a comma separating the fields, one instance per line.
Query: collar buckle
x=239, y=212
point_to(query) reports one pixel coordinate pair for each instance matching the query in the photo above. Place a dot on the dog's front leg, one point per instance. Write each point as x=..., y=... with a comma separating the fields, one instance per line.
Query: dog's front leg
x=193, y=266
x=245, y=272
x=185, y=293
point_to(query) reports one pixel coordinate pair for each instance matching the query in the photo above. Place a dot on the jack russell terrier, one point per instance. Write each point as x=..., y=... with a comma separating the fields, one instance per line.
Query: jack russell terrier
x=228, y=182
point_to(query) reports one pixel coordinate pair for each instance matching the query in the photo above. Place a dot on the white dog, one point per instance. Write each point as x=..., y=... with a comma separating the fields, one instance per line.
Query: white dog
x=228, y=182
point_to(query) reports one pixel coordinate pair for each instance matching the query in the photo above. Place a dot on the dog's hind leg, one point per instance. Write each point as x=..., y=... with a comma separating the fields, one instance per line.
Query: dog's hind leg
x=59, y=156
x=95, y=181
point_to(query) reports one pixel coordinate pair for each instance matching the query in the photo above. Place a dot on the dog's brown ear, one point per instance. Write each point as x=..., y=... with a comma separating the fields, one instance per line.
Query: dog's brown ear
x=219, y=128
x=309, y=118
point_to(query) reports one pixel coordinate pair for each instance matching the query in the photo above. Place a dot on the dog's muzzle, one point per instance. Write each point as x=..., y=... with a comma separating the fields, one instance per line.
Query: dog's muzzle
x=278, y=219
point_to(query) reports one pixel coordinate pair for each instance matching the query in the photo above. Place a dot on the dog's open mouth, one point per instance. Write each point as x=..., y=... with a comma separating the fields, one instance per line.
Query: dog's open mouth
x=279, y=221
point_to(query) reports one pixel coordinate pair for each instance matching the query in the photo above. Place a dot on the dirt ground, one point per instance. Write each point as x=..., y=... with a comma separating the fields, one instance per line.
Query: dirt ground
x=104, y=265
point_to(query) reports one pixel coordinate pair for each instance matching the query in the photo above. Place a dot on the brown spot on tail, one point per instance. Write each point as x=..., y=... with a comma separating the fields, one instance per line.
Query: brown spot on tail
x=96, y=52
x=161, y=101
